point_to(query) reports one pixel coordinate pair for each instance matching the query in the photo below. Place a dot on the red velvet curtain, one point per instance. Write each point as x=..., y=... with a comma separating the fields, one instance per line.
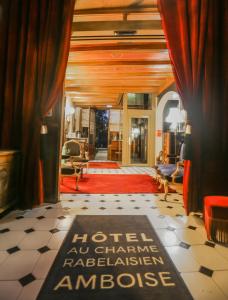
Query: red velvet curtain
x=196, y=37
x=35, y=37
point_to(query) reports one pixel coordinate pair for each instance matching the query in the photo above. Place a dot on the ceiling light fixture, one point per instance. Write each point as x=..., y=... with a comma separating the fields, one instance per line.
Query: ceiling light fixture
x=175, y=117
x=125, y=32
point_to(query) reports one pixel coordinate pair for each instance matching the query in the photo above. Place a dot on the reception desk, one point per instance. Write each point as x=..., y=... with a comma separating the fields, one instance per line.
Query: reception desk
x=115, y=150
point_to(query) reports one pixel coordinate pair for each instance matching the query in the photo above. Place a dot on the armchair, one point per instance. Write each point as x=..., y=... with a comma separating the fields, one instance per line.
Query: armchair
x=75, y=152
x=166, y=173
x=71, y=170
x=73, y=149
x=73, y=160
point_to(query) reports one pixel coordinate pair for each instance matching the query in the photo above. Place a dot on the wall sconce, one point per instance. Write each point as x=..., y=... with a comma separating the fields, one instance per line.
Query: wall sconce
x=188, y=129
x=43, y=129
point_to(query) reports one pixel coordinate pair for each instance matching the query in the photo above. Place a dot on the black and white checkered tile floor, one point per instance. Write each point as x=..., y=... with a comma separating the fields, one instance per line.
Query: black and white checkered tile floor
x=29, y=240
x=123, y=170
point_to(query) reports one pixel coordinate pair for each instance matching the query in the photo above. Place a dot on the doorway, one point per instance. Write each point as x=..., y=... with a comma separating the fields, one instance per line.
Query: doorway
x=101, y=144
x=138, y=131
x=139, y=140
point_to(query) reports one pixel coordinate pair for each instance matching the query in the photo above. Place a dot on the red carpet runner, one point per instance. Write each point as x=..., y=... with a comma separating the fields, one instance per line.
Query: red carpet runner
x=103, y=165
x=110, y=184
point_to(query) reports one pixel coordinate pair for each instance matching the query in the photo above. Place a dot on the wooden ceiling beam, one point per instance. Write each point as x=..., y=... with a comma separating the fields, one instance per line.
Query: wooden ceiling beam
x=143, y=68
x=114, y=89
x=98, y=106
x=166, y=84
x=137, y=66
x=119, y=63
x=112, y=82
x=94, y=38
x=95, y=100
x=126, y=55
x=90, y=94
x=116, y=73
x=116, y=76
x=100, y=96
x=116, y=25
x=120, y=46
x=116, y=10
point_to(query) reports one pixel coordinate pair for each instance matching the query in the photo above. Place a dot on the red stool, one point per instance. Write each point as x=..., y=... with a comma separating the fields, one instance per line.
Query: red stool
x=216, y=218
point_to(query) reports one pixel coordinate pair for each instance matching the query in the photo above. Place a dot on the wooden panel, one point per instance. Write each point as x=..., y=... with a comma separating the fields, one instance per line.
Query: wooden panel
x=116, y=89
x=116, y=10
x=117, y=16
x=115, y=71
x=119, y=63
x=101, y=65
x=100, y=97
x=143, y=54
x=120, y=46
x=103, y=34
x=166, y=84
x=116, y=25
x=106, y=6
x=112, y=82
x=130, y=76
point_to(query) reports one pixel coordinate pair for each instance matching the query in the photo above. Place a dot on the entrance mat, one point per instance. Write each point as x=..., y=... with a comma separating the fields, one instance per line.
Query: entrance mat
x=113, y=257
x=103, y=165
x=111, y=184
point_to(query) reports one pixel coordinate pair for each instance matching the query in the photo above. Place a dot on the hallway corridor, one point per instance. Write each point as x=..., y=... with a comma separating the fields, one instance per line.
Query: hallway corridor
x=102, y=154
x=30, y=240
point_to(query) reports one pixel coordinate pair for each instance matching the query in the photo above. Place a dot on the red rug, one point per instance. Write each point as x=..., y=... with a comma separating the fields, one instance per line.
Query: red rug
x=111, y=184
x=103, y=165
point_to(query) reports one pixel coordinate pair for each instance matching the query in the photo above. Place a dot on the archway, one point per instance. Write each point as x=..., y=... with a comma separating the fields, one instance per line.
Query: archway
x=171, y=95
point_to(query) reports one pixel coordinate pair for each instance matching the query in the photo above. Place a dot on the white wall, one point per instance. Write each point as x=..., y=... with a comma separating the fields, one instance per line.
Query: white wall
x=115, y=120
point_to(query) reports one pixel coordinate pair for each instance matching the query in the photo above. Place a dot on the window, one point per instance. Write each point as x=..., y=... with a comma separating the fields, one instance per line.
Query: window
x=138, y=101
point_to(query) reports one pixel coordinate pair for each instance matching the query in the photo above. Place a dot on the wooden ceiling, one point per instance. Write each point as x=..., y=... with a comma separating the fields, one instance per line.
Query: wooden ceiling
x=116, y=47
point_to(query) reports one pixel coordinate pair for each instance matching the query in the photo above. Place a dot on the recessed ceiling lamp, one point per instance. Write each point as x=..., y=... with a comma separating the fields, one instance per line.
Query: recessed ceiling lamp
x=125, y=32
x=108, y=105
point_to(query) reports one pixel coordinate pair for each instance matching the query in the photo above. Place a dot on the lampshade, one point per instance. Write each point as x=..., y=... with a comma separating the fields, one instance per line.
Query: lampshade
x=175, y=116
x=188, y=129
x=43, y=129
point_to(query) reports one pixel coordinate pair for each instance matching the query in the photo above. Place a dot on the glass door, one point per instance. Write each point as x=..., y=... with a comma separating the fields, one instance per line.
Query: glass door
x=138, y=140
